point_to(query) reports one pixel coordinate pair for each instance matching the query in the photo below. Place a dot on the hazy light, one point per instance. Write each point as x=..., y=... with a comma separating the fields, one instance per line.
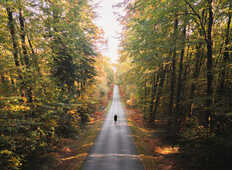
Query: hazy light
x=107, y=20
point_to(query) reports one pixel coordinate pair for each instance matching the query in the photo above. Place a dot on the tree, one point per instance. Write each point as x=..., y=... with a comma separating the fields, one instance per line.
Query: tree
x=50, y=83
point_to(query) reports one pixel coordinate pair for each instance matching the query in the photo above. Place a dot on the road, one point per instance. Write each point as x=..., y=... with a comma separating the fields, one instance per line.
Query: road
x=114, y=148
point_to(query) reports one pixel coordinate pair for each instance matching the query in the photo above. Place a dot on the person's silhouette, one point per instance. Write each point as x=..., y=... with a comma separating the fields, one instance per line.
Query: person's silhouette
x=115, y=118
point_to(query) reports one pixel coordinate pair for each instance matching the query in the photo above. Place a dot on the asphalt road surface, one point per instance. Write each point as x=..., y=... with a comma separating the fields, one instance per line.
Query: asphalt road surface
x=114, y=148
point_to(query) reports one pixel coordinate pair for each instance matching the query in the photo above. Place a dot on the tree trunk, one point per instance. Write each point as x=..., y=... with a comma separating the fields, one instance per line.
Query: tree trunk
x=196, y=73
x=13, y=36
x=145, y=95
x=173, y=73
x=158, y=94
x=179, y=84
x=22, y=35
x=11, y=27
x=34, y=57
x=226, y=56
x=153, y=92
x=209, y=41
x=25, y=54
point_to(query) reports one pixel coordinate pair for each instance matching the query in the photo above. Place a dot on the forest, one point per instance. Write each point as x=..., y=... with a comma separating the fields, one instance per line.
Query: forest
x=175, y=66
x=52, y=77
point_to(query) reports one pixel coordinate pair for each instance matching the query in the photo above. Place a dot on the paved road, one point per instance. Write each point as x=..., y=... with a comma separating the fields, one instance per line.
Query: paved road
x=114, y=148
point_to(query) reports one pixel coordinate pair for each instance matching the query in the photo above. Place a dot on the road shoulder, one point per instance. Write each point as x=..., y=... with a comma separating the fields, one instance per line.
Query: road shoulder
x=154, y=153
x=73, y=152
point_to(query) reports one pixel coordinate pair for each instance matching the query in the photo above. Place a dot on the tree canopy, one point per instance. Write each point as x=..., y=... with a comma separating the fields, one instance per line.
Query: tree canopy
x=52, y=79
x=175, y=65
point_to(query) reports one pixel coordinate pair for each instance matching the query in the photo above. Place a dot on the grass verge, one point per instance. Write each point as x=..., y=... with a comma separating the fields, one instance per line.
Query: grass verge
x=153, y=152
x=74, y=151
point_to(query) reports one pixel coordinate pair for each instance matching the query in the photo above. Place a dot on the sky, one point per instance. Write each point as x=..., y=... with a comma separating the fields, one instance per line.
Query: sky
x=107, y=20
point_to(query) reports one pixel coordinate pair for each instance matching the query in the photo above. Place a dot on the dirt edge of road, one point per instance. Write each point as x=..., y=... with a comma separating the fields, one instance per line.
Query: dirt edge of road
x=153, y=152
x=73, y=152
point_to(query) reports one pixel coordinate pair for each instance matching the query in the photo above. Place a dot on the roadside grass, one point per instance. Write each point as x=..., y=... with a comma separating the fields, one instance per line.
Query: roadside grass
x=75, y=151
x=141, y=140
x=153, y=152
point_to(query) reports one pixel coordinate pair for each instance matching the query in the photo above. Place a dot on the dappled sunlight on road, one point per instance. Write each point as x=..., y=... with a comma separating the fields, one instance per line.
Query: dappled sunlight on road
x=120, y=124
x=75, y=156
x=142, y=156
x=114, y=148
x=114, y=155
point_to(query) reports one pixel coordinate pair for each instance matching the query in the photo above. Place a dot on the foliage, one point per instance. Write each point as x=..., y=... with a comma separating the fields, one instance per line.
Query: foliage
x=175, y=67
x=206, y=151
x=51, y=77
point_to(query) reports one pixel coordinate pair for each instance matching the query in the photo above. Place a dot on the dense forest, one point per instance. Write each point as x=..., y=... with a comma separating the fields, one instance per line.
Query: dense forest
x=175, y=66
x=52, y=77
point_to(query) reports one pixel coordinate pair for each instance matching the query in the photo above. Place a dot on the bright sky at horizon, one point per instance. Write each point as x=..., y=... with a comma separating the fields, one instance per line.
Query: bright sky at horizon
x=107, y=20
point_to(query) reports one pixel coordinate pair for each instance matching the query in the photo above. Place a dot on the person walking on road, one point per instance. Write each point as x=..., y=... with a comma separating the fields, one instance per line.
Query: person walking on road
x=115, y=118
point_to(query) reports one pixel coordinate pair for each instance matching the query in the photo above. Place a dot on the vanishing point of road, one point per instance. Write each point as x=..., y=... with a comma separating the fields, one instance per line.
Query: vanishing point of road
x=114, y=148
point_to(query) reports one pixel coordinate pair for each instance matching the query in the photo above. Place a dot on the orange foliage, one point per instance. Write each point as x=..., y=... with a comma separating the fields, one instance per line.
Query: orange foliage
x=166, y=150
x=153, y=144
